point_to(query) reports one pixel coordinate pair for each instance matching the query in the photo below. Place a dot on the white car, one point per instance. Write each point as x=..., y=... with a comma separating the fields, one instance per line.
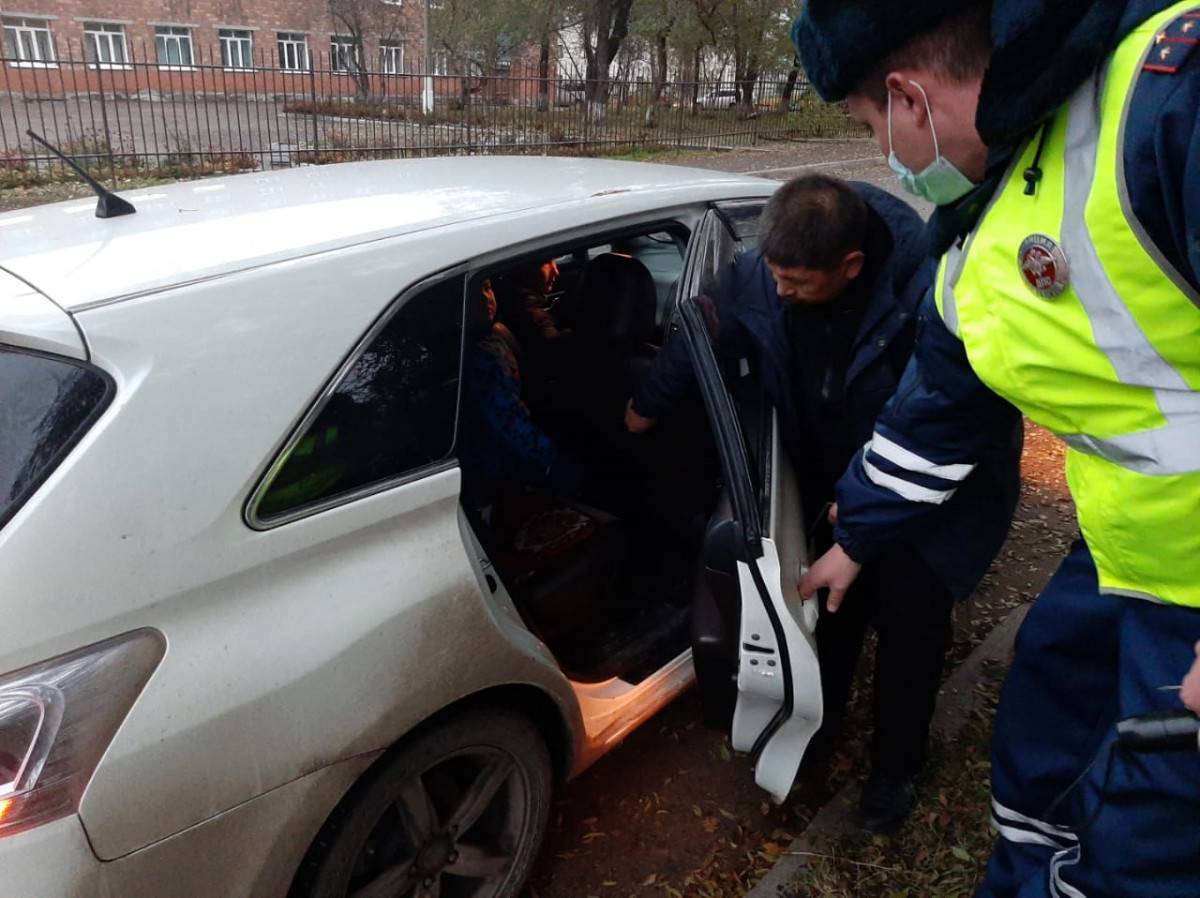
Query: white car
x=259, y=639
x=719, y=99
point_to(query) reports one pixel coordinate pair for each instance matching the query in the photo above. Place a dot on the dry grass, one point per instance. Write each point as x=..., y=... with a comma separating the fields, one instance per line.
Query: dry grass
x=943, y=850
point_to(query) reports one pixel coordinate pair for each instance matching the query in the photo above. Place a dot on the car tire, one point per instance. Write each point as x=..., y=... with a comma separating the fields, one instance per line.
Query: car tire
x=457, y=812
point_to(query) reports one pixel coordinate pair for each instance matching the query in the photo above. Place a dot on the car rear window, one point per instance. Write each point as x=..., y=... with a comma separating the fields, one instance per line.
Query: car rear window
x=46, y=404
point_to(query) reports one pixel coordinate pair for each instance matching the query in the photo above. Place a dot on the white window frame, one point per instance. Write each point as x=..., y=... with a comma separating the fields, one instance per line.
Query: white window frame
x=293, y=44
x=237, y=48
x=99, y=36
x=22, y=43
x=441, y=62
x=180, y=36
x=343, y=54
x=391, y=57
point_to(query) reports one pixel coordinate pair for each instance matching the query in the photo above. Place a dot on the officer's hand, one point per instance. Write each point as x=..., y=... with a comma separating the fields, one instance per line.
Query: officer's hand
x=834, y=570
x=1191, y=685
x=634, y=422
x=832, y=516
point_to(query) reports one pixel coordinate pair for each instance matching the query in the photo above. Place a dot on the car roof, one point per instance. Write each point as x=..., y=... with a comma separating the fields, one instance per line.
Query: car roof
x=189, y=231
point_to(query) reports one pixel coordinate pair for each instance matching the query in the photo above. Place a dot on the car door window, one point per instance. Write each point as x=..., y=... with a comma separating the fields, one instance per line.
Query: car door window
x=391, y=411
x=725, y=234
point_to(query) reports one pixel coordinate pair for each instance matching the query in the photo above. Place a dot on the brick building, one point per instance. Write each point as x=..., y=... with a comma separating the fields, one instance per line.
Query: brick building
x=235, y=34
x=228, y=46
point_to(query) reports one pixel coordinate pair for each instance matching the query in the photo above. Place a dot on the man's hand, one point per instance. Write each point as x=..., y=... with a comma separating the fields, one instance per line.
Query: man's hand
x=634, y=422
x=835, y=570
x=832, y=516
x=1191, y=685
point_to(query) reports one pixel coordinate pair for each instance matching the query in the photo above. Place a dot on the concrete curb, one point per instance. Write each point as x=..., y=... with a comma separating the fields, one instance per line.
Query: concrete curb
x=955, y=703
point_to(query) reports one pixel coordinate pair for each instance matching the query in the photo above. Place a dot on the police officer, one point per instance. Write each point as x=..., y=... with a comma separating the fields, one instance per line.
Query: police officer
x=1062, y=144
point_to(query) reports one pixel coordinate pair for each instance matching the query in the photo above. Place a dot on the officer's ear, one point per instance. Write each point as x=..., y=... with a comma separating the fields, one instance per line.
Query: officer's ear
x=907, y=98
x=852, y=264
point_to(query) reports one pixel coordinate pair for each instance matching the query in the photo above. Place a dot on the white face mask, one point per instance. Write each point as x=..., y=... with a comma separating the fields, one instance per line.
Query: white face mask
x=940, y=182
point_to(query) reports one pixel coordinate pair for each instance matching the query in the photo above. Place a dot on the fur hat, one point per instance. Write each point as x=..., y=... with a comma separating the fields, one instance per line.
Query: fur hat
x=839, y=40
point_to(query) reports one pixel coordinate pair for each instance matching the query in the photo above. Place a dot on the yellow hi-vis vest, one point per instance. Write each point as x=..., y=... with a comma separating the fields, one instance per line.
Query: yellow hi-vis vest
x=1067, y=310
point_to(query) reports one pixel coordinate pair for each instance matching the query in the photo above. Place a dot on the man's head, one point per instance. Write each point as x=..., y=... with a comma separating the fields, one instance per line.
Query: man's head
x=813, y=231
x=488, y=292
x=538, y=277
x=921, y=65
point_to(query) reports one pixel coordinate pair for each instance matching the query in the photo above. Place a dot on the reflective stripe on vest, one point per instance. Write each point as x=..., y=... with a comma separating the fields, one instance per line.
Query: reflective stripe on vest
x=1112, y=364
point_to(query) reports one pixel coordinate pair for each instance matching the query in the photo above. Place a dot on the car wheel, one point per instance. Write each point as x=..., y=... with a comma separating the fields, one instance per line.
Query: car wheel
x=459, y=812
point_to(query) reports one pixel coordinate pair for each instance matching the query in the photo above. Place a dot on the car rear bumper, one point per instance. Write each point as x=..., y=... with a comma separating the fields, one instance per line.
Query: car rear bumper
x=52, y=861
x=252, y=850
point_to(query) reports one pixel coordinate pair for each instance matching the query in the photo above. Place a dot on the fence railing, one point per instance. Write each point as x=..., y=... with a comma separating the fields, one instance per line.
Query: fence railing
x=140, y=115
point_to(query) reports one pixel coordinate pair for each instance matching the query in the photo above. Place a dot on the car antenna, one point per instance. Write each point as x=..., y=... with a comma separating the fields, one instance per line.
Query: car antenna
x=108, y=204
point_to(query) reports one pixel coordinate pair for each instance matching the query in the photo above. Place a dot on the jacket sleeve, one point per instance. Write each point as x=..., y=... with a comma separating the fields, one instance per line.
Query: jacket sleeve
x=930, y=437
x=1162, y=161
x=671, y=375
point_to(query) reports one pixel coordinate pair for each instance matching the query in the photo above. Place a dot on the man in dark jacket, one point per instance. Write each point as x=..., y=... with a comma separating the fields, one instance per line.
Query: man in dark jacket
x=824, y=312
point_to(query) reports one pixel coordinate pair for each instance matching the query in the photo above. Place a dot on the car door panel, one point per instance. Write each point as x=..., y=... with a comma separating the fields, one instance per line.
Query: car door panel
x=778, y=695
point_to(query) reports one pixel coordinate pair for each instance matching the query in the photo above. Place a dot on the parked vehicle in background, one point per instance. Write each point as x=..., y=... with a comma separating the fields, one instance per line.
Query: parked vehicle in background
x=718, y=99
x=263, y=637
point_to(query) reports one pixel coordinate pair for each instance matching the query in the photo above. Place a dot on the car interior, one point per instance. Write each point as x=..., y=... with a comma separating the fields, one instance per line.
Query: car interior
x=607, y=575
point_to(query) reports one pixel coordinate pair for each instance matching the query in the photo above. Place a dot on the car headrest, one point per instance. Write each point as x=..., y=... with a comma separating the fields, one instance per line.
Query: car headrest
x=617, y=301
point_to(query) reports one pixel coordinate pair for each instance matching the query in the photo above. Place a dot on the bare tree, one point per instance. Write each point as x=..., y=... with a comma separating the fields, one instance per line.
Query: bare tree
x=605, y=26
x=662, y=26
x=358, y=20
x=753, y=31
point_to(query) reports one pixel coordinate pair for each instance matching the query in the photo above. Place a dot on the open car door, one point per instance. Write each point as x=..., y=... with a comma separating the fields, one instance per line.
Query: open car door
x=755, y=547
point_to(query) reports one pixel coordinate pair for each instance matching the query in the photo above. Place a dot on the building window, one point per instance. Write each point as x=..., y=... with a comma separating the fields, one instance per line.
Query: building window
x=173, y=45
x=391, y=57
x=391, y=415
x=343, y=54
x=104, y=44
x=293, y=51
x=441, y=62
x=236, y=49
x=27, y=42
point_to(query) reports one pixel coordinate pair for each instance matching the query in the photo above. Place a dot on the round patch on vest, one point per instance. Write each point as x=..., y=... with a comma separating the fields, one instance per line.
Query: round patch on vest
x=1044, y=265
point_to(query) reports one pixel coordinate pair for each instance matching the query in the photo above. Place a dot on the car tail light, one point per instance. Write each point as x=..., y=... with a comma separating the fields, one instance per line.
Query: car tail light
x=57, y=719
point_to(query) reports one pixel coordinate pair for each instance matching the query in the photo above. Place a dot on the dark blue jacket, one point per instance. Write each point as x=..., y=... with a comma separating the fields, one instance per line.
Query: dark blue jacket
x=963, y=540
x=942, y=414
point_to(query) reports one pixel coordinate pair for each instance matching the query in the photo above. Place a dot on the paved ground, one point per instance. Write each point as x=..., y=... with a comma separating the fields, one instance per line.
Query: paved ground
x=858, y=160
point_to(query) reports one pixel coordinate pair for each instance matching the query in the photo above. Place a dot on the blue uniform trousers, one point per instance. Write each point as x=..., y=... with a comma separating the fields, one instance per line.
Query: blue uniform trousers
x=1130, y=828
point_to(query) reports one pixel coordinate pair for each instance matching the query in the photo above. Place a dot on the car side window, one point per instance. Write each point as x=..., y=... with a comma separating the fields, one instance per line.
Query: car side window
x=391, y=412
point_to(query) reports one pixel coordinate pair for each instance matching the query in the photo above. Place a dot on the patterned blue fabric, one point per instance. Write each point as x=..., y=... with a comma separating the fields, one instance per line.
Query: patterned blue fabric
x=500, y=445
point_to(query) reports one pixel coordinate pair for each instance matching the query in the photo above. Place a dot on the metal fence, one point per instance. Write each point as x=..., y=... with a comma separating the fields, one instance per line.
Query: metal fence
x=200, y=115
